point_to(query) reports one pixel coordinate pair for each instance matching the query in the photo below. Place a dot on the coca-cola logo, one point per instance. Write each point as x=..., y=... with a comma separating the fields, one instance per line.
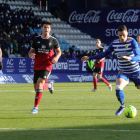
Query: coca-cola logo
x=128, y=16
x=89, y=17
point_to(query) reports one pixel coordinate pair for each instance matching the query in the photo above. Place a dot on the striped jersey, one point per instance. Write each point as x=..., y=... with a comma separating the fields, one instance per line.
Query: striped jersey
x=125, y=49
x=139, y=46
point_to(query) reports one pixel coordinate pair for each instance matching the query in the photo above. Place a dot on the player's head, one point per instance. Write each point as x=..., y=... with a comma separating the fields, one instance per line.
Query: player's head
x=98, y=43
x=138, y=38
x=46, y=27
x=122, y=33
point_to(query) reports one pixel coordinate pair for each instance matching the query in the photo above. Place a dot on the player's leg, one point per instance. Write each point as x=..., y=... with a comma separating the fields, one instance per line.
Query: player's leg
x=120, y=84
x=49, y=86
x=39, y=91
x=104, y=80
x=94, y=81
x=39, y=80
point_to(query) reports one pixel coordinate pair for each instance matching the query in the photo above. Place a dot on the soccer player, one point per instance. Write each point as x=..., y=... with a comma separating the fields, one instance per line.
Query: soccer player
x=43, y=51
x=138, y=40
x=98, y=68
x=128, y=54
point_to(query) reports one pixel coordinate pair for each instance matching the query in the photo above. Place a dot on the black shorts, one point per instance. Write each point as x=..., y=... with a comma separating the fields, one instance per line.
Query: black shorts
x=44, y=74
x=98, y=70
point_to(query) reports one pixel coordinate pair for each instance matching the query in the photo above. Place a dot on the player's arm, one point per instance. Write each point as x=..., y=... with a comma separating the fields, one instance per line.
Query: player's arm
x=58, y=52
x=31, y=53
x=55, y=59
x=1, y=65
x=100, y=55
x=136, y=51
x=102, y=59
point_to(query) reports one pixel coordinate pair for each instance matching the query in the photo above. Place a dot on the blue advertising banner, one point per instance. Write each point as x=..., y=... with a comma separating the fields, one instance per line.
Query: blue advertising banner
x=104, y=16
x=20, y=70
x=103, y=23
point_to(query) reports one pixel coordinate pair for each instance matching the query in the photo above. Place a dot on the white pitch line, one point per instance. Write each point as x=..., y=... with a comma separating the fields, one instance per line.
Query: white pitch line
x=71, y=130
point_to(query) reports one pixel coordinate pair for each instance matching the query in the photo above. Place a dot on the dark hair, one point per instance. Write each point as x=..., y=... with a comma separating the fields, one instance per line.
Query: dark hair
x=138, y=34
x=122, y=28
x=45, y=22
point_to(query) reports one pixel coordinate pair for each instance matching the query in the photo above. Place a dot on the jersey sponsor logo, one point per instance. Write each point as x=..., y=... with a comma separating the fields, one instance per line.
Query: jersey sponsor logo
x=123, y=53
x=80, y=78
x=43, y=46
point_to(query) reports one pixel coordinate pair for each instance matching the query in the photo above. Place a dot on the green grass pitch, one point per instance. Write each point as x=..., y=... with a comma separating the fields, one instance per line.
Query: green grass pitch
x=71, y=113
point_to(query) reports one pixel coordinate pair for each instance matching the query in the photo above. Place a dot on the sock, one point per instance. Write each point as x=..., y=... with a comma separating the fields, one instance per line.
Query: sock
x=120, y=96
x=95, y=83
x=45, y=86
x=105, y=81
x=38, y=97
x=46, y=80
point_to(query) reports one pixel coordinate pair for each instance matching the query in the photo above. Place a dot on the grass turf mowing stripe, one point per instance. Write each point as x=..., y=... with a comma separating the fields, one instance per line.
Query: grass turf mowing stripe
x=70, y=129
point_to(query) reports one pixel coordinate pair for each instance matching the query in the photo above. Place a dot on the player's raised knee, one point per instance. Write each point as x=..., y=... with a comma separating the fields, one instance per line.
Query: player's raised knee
x=119, y=87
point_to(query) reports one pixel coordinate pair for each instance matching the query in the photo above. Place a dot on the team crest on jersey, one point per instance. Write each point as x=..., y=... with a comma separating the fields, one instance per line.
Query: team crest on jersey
x=50, y=44
x=43, y=46
x=126, y=46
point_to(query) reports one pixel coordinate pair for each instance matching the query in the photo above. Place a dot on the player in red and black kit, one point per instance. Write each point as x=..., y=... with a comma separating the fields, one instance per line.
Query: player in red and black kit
x=42, y=51
x=98, y=68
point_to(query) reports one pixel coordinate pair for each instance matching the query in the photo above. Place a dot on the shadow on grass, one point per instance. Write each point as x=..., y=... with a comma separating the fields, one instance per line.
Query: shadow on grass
x=130, y=131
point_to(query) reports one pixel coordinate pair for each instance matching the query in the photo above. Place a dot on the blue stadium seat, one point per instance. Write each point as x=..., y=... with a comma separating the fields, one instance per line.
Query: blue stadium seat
x=70, y=46
x=64, y=42
x=35, y=30
x=31, y=30
x=62, y=47
x=39, y=31
x=66, y=47
x=60, y=42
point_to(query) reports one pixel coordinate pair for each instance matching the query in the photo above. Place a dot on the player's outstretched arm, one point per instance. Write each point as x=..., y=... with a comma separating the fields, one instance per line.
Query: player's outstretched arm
x=84, y=58
x=55, y=59
x=31, y=53
x=101, y=55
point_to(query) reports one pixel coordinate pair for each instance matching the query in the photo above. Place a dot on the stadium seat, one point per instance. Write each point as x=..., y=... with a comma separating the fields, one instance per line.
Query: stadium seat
x=64, y=42
x=39, y=31
x=62, y=47
x=60, y=42
x=35, y=30
x=66, y=47
x=31, y=30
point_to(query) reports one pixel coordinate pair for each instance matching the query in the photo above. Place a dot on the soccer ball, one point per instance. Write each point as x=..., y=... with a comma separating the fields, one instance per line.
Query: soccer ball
x=130, y=111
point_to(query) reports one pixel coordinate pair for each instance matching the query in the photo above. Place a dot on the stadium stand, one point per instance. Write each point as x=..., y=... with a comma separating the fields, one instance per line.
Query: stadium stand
x=23, y=19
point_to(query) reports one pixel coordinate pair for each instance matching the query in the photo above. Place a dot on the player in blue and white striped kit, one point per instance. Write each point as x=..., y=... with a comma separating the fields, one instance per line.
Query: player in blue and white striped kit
x=128, y=55
x=138, y=40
